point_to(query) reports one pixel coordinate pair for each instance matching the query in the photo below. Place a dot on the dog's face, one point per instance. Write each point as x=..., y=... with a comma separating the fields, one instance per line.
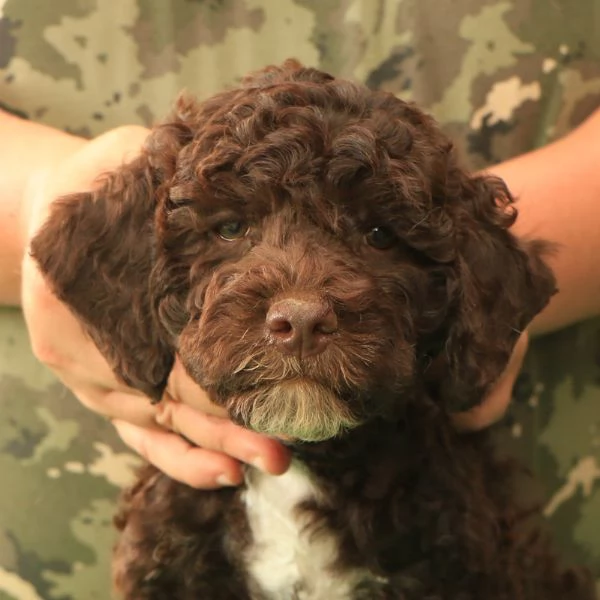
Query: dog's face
x=302, y=318
x=308, y=248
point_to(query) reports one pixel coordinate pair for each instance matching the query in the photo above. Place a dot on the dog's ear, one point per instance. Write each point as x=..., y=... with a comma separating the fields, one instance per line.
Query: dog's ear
x=500, y=284
x=96, y=251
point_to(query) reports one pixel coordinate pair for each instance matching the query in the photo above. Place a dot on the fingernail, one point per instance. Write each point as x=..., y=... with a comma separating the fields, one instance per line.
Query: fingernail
x=224, y=481
x=259, y=463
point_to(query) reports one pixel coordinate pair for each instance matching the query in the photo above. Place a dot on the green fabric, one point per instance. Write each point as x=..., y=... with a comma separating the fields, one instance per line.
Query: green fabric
x=503, y=76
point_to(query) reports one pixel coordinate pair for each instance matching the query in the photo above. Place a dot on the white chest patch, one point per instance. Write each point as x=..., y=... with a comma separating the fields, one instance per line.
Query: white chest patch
x=287, y=562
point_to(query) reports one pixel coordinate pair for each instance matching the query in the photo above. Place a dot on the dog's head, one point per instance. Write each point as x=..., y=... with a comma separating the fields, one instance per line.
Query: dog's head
x=308, y=248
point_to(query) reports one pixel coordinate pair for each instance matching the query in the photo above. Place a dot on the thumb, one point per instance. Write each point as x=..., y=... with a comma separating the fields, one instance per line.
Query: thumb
x=495, y=405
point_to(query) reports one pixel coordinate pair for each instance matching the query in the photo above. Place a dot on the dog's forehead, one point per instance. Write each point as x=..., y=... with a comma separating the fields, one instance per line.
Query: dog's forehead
x=317, y=200
x=355, y=156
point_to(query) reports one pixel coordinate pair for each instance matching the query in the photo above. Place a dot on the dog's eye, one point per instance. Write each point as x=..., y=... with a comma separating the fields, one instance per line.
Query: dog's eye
x=232, y=230
x=381, y=238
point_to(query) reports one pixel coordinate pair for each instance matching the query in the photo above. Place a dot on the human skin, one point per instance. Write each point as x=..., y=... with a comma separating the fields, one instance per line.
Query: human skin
x=41, y=163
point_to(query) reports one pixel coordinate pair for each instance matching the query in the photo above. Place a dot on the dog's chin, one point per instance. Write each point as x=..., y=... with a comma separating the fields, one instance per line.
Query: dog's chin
x=294, y=411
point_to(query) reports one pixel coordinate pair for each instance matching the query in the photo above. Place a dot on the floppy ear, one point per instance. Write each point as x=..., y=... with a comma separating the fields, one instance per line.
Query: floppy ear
x=96, y=250
x=501, y=283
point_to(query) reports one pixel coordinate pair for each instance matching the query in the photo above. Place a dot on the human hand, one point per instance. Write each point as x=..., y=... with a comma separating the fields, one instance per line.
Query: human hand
x=493, y=408
x=212, y=457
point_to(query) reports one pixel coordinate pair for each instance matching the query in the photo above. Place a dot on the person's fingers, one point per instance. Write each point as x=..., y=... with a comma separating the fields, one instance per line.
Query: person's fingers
x=221, y=435
x=493, y=408
x=115, y=404
x=183, y=388
x=220, y=443
x=179, y=459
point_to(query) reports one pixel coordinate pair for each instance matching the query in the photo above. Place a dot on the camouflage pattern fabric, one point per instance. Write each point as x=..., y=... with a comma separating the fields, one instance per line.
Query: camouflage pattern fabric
x=503, y=76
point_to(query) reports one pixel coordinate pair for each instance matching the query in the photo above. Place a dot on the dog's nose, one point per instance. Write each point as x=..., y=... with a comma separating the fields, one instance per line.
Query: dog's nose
x=301, y=326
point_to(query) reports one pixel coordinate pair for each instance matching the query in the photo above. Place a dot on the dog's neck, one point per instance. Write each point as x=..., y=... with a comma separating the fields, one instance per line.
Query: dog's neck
x=336, y=476
x=290, y=552
x=363, y=455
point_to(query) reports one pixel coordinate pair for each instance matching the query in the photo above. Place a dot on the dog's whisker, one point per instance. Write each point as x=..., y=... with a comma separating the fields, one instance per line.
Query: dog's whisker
x=423, y=220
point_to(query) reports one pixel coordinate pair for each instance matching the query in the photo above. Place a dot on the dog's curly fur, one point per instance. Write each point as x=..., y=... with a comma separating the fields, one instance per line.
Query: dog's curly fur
x=326, y=190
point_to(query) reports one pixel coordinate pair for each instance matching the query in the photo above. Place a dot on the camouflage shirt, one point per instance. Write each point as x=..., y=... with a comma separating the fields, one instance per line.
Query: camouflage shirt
x=503, y=76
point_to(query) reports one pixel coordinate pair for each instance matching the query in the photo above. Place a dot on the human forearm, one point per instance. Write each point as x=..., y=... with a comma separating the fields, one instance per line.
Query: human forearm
x=558, y=191
x=27, y=148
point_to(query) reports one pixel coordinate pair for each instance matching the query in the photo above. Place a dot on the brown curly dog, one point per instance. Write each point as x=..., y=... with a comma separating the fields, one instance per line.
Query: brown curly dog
x=329, y=273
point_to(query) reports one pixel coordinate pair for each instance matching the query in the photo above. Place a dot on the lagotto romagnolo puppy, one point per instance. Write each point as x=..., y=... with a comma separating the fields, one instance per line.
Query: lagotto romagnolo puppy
x=330, y=274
